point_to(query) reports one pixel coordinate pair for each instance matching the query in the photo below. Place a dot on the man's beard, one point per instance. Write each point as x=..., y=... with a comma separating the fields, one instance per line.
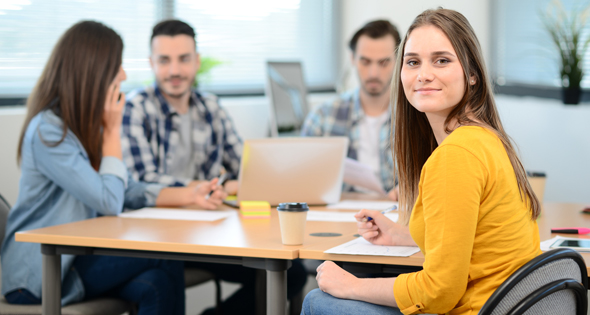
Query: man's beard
x=373, y=92
x=181, y=94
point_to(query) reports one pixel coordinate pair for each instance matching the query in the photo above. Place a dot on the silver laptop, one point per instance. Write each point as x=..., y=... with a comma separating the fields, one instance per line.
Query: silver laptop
x=293, y=170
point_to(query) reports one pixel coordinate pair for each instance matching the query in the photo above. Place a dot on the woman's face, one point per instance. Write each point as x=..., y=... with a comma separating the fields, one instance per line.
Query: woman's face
x=431, y=74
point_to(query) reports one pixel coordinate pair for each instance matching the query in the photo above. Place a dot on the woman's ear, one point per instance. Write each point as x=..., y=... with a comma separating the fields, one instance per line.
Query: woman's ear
x=472, y=79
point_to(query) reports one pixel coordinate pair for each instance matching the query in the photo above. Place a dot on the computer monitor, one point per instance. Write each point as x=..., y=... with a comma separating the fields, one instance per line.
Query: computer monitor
x=306, y=169
x=287, y=95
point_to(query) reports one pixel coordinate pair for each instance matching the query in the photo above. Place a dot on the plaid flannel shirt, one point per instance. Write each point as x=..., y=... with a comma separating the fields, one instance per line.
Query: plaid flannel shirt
x=341, y=118
x=150, y=134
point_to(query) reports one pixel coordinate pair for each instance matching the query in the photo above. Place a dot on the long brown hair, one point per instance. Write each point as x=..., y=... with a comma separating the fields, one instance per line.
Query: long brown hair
x=414, y=139
x=74, y=84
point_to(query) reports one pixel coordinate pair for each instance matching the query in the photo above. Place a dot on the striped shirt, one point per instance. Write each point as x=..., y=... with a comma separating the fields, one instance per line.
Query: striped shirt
x=341, y=117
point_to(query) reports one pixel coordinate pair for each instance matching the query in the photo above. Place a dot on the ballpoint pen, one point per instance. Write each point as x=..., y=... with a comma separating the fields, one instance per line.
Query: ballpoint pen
x=220, y=182
x=394, y=207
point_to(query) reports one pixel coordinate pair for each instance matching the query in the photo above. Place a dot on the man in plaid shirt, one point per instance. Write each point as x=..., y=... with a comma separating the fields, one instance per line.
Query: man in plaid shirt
x=363, y=115
x=176, y=136
x=172, y=134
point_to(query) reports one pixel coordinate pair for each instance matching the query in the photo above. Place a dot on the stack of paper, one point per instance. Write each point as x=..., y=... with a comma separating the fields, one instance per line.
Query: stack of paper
x=255, y=209
x=176, y=214
x=333, y=216
x=361, y=175
x=360, y=246
x=363, y=204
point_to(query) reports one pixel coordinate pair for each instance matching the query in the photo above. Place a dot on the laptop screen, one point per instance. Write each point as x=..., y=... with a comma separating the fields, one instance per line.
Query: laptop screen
x=306, y=169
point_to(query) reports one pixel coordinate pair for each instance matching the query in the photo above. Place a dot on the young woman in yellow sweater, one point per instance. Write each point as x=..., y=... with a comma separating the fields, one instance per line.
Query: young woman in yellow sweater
x=463, y=190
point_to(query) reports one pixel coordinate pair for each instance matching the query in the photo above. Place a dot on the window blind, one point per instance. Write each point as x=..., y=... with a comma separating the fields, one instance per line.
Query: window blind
x=240, y=34
x=523, y=50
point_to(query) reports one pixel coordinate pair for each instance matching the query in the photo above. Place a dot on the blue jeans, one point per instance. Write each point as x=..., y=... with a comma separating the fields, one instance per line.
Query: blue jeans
x=156, y=286
x=21, y=296
x=319, y=303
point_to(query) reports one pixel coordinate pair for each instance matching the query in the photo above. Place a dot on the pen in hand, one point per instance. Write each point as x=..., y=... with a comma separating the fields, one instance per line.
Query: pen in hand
x=366, y=219
x=220, y=182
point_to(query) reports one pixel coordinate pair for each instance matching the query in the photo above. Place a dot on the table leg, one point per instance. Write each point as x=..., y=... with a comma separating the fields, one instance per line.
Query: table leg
x=51, y=289
x=276, y=292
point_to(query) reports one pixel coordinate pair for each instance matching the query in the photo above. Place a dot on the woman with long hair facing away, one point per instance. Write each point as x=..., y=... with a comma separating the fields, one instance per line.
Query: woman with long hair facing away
x=463, y=191
x=70, y=156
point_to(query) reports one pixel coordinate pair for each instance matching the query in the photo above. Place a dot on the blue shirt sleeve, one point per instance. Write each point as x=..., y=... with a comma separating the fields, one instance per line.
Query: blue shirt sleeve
x=67, y=165
x=141, y=194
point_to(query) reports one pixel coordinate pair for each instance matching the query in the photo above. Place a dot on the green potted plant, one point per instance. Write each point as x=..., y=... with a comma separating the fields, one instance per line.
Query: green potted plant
x=565, y=29
x=207, y=63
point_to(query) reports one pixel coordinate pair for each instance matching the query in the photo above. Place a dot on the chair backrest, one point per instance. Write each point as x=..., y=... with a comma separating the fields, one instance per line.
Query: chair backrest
x=555, y=282
x=4, y=209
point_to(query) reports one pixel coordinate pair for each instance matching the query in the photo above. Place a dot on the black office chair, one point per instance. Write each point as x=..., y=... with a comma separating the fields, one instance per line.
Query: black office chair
x=555, y=282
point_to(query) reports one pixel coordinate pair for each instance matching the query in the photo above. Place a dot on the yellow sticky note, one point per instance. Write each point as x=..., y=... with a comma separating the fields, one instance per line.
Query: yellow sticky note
x=258, y=205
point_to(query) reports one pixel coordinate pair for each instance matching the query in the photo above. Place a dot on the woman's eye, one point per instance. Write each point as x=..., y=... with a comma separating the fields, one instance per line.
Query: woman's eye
x=412, y=63
x=442, y=61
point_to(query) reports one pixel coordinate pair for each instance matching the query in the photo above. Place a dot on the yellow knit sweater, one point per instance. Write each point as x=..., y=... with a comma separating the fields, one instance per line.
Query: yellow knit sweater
x=470, y=223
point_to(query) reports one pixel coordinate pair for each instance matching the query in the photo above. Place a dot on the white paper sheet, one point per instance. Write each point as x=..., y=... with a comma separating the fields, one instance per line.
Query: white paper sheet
x=360, y=246
x=546, y=245
x=359, y=174
x=363, y=204
x=333, y=216
x=176, y=214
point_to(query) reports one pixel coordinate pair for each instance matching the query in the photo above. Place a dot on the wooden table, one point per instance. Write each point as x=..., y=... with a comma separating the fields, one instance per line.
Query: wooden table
x=553, y=215
x=254, y=243
x=560, y=215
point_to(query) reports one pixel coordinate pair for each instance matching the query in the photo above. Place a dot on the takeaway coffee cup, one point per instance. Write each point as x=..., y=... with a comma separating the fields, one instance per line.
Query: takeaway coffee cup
x=292, y=217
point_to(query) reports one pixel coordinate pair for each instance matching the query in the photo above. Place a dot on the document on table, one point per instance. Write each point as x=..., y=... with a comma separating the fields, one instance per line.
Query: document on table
x=360, y=246
x=359, y=174
x=333, y=216
x=177, y=214
x=546, y=245
x=363, y=204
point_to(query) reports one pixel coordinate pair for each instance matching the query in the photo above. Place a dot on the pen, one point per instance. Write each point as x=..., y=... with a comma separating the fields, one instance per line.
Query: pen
x=220, y=182
x=394, y=207
x=571, y=230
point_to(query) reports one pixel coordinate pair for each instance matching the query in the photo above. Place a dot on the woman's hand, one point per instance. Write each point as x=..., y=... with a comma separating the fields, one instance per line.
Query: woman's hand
x=113, y=109
x=341, y=284
x=381, y=230
x=112, y=118
x=336, y=281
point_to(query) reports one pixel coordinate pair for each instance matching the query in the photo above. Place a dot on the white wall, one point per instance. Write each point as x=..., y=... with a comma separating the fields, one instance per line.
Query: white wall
x=11, y=120
x=355, y=13
x=552, y=138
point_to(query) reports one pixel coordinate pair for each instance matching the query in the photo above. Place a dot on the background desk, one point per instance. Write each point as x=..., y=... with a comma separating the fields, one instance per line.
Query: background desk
x=559, y=215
